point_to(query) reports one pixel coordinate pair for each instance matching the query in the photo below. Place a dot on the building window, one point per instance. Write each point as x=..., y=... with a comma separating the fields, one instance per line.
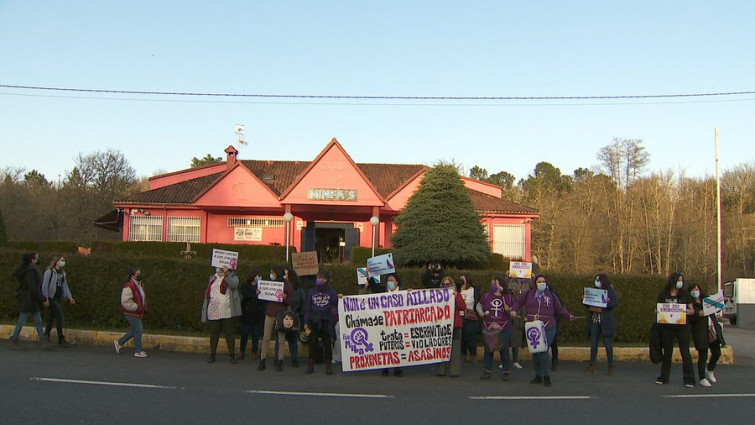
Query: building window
x=261, y=222
x=183, y=229
x=145, y=229
x=508, y=240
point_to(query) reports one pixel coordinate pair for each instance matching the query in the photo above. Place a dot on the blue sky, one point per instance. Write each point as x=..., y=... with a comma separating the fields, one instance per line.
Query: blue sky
x=387, y=48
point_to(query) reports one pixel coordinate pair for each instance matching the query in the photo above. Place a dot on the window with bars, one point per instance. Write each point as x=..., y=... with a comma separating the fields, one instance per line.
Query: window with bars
x=265, y=223
x=145, y=229
x=183, y=229
x=508, y=240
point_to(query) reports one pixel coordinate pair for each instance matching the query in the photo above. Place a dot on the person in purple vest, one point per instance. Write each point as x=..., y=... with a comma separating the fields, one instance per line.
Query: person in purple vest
x=495, y=309
x=542, y=305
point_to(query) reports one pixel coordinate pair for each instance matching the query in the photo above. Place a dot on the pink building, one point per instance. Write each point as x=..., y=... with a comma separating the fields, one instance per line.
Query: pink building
x=327, y=204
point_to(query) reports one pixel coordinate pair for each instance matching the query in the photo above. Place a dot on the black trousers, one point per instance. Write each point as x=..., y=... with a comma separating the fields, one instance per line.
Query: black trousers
x=56, y=315
x=680, y=333
x=321, y=331
x=227, y=327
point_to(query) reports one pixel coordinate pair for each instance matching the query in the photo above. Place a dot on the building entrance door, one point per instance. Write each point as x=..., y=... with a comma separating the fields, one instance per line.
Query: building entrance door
x=332, y=241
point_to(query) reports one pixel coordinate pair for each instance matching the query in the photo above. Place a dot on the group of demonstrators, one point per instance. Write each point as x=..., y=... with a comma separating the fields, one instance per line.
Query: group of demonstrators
x=512, y=314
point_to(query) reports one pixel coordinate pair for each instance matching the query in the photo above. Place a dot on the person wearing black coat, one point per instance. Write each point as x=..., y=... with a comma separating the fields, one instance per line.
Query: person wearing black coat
x=674, y=292
x=701, y=337
x=252, y=314
x=29, y=295
x=601, y=321
x=432, y=276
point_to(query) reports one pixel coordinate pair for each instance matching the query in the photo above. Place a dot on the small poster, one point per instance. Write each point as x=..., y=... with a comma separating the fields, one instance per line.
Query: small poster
x=714, y=303
x=672, y=313
x=363, y=277
x=381, y=264
x=253, y=234
x=270, y=290
x=305, y=263
x=596, y=297
x=223, y=258
x=520, y=269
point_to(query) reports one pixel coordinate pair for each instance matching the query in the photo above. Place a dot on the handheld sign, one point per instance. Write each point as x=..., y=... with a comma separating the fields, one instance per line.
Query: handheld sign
x=596, y=297
x=671, y=314
x=381, y=264
x=363, y=277
x=270, y=290
x=714, y=303
x=305, y=263
x=223, y=258
x=520, y=269
x=395, y=329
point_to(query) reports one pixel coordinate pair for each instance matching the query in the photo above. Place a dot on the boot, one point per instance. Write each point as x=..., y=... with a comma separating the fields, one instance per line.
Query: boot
x=310, y=366
x=610, y=370
x=233, y=359
x=211, y=358
x=261, y=366
x=554, y=365
x=295, y=362
x=278, y=365
x=255, y=356
x=240, y=356
x=328, y=368
x=590, y=369
x=63, y=342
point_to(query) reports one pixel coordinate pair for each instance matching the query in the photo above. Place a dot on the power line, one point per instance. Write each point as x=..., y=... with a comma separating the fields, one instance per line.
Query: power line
x=365, y=97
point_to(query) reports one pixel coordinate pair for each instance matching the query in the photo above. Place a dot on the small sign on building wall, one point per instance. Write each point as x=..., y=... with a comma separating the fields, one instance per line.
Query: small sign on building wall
x=253, y=234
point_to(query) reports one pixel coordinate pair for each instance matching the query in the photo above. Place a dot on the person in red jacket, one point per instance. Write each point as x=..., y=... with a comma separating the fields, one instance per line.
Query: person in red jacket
x=134, y=307
x=453, y=366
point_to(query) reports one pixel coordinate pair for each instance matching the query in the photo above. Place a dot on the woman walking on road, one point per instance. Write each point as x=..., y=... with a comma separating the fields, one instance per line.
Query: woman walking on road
x=707, y=335
x=134, y=306
x=601, y=321
x=55, y=290
x=30, y=298
x=674, y=292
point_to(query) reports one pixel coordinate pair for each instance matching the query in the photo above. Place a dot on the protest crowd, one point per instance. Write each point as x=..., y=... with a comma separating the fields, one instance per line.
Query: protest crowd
x=386, y=328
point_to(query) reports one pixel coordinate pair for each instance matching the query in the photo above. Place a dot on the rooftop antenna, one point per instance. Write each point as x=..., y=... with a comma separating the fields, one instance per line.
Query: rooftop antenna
x=238, y=129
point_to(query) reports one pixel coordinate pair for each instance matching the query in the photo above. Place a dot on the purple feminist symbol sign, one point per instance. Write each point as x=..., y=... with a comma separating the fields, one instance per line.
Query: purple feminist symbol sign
x=533, y=335
x=359, y=338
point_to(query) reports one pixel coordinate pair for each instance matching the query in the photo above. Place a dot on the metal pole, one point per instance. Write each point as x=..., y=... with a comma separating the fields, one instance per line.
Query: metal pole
x=718, y=211
x=288, y=224
x=373, y=240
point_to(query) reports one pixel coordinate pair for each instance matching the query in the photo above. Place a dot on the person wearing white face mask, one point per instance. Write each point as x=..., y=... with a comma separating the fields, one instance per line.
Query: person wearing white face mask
x=601, y=322
x=674, y=292
x=55, y=289
x=393, y=284
x=707, y=335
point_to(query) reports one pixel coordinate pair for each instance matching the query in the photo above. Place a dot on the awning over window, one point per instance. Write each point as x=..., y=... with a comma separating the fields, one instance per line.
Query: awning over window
x=112, y=221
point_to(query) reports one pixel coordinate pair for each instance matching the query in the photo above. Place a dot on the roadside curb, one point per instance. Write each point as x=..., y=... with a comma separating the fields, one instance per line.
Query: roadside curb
x=184, y=344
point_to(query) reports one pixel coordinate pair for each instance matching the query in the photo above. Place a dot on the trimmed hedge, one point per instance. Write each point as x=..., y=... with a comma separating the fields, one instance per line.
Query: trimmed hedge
x=176, y=287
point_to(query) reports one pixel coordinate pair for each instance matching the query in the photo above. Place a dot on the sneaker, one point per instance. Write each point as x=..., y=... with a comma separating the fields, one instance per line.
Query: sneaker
x=140, y=354
x=506, y=376
x=660, y=381
x=485, y=375
x=536, y=380
x=518, y=366
x=64, y=343
x=710, y=376
x=500, y=366
x=688, y=385
x=704, y=382
x=117, y=347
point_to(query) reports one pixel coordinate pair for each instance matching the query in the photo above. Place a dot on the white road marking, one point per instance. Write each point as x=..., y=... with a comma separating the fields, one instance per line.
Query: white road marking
x=707, y=395
x=111, y=384
x=296, y=393
x=533, y=397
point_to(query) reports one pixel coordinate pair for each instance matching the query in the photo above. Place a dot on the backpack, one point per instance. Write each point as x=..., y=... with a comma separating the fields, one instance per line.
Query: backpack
x=656, y=345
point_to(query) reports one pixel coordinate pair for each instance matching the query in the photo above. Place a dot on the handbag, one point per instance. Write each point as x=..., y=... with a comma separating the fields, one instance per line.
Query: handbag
x=470, y=314
x=712, y=335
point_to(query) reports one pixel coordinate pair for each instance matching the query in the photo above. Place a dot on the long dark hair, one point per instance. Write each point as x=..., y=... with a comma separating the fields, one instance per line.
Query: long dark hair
x=671, y=282
x=605, y=282
x=698, y=286
x=293, y=278
x=25, y=263
x=253, y=274
x=279, y=276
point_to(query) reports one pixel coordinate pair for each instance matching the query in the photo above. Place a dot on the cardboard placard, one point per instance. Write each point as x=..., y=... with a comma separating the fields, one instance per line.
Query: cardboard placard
x=305, y=263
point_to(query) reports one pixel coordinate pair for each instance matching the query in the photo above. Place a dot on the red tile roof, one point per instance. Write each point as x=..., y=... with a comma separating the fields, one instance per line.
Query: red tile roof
x=279, y=175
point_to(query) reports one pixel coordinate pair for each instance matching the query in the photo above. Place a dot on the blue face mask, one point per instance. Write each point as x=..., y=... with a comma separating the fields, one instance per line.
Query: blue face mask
x=695, y=293
x=391, y=285
x=680, y=284
x=62, y=264
x=541, y=286
x=272, y=276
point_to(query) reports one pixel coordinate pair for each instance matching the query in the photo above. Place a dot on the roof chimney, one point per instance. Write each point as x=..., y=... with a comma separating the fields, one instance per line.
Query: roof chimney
x=231, y=156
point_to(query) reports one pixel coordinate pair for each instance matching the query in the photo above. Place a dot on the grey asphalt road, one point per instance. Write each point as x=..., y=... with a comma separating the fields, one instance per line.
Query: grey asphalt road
x=88, y=385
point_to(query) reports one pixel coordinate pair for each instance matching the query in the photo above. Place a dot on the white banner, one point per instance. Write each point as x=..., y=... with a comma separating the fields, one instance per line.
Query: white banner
x=270, y=290
x=395, y=329
x=221, y=257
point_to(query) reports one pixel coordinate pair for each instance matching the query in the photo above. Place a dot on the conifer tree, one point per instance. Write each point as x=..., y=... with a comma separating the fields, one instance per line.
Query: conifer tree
x=440, y=223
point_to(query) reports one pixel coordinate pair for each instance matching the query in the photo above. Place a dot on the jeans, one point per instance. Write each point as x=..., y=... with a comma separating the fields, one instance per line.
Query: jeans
x=680, y=333
x=255, y=329
x=292, y=337
x=504, y=353
x=135, y=331
x=22, y=321
x=542, y=360
x=595, y=332
x=56, y=315
x=469, y=337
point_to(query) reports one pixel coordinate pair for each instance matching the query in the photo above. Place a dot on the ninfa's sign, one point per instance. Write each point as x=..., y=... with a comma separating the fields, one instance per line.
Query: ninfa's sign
x=349, y=195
